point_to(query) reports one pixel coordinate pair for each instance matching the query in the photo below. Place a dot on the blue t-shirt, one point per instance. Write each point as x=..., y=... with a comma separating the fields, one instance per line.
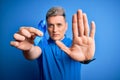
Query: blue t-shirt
x=55, y=64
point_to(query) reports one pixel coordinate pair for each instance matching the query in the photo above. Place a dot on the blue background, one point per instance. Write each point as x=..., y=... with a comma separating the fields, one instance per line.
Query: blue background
x=16, y=13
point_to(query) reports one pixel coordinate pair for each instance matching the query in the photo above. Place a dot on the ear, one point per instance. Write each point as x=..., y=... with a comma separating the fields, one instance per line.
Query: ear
x=66, y=25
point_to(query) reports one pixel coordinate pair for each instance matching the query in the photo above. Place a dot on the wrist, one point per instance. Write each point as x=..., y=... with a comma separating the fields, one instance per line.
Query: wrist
x=87, y=61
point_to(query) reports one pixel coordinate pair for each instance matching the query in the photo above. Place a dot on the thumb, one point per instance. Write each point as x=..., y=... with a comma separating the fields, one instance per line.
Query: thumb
x=63, y=47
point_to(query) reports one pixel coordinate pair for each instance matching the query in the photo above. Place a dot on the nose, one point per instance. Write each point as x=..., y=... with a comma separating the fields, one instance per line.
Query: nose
x=55, y=28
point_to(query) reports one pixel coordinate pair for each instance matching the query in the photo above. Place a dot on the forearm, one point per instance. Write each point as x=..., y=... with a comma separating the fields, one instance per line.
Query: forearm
x=33, y=53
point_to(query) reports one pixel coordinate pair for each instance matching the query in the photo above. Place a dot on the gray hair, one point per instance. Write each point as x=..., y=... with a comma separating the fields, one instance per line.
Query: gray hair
x=55, y=11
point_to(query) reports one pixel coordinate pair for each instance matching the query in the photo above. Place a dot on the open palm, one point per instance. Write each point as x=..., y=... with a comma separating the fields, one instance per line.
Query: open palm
x=83, y=45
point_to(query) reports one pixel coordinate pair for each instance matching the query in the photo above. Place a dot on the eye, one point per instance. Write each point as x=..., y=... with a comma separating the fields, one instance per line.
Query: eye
x=50, y=25
x=59, y=25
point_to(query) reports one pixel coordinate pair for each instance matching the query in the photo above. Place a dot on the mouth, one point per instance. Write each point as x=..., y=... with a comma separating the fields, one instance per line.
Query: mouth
x=55, y=35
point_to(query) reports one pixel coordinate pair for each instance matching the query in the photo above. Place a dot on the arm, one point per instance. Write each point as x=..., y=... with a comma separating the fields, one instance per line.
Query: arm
x=24, y=41
x=33, y=53
x=83, y=45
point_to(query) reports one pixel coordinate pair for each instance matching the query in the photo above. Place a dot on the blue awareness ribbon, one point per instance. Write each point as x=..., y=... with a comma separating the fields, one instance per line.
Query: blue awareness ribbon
x=42, y=28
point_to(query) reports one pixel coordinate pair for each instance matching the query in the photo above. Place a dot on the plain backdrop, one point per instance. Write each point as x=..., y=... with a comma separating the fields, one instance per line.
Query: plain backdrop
x=17, y=13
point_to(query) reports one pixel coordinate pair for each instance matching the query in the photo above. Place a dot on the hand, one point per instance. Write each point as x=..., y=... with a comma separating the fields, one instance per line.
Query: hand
x=83, y=44
x=24, y=38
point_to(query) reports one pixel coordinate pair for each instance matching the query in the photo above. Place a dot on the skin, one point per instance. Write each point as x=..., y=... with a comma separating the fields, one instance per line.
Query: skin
x=83, y=45
x=57, y=27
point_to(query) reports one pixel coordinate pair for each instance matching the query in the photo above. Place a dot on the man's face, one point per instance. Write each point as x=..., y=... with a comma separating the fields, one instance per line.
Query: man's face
x=57, y=27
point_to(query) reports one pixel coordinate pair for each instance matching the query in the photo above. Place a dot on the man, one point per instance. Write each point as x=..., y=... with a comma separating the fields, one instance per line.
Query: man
x=60, y=58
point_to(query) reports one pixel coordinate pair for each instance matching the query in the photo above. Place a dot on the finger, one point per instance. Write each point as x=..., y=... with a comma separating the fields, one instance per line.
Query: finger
x=36, y=31
x=74, y=26
x=14, y=43
x=63, y=47
x=33, y=36
x=92, y=31
x=86, y=26
x=33, y=30
x=18, y=37
x=20, y=45
x=25, y=32
x=80, y=22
